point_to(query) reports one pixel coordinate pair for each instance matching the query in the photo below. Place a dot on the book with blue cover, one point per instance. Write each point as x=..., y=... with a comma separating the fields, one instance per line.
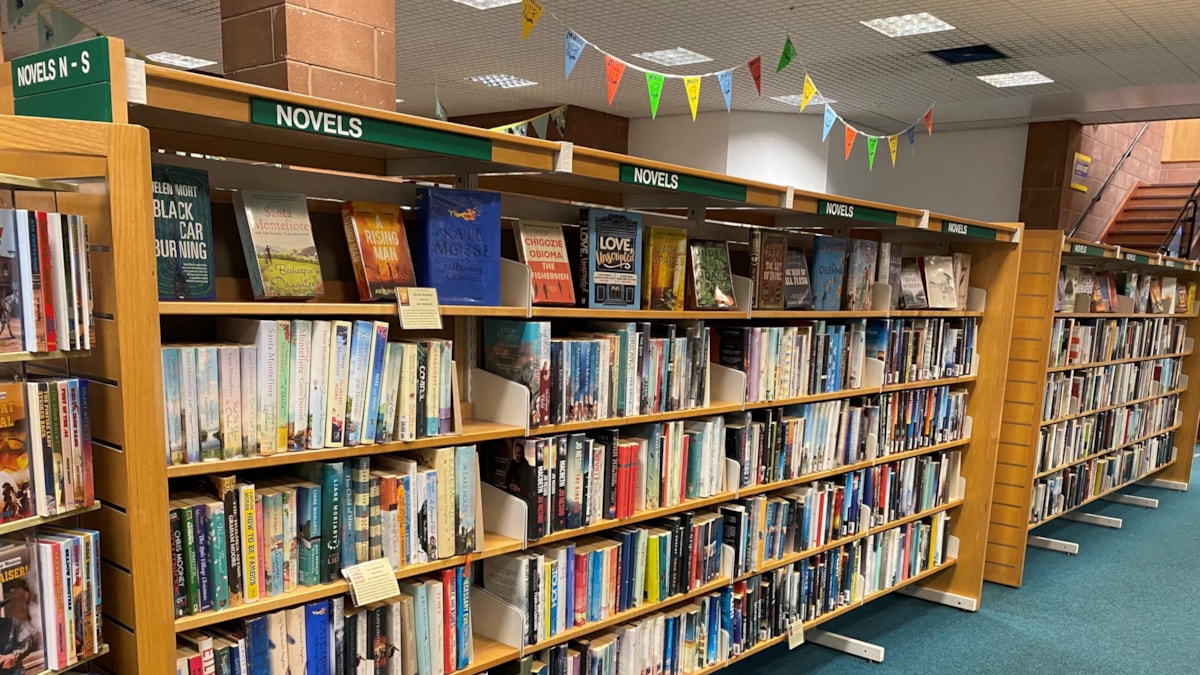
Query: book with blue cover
x=183, y=233
x=611, y=242
x=308, y=497
x=457, y=245
x=828, y=273
x=416, y=590
x=375, y=382
x=316, y=635
x=520, y=351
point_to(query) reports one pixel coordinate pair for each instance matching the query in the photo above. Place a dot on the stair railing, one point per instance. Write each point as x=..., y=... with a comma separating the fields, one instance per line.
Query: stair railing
x=1104, y=186
x=1186, y=218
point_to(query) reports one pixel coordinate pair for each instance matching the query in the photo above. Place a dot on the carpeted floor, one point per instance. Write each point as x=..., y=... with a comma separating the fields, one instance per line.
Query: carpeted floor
x=1129, y=602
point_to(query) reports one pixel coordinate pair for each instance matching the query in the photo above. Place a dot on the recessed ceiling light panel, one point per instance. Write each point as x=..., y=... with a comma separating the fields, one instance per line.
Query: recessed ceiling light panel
x=502, y=81
x=909, y=24
x=179, y=60
x=1021, y=79
x=486, y=4
x=673, y=57
x=794, y=99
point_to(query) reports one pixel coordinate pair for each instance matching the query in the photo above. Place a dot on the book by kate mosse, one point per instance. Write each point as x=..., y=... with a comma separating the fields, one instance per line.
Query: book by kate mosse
x=456, y=246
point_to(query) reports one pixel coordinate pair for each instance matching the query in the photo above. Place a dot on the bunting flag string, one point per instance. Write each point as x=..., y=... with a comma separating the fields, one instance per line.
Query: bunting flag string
x=540, y=123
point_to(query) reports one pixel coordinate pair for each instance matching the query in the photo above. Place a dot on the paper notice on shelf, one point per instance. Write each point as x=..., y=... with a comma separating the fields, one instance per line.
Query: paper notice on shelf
x=795, y=634
x=371, y=581
x=418, y=309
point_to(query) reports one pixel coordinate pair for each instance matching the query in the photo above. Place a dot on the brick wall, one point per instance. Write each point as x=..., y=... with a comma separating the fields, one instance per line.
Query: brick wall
x=1179, y=172
x=586, y=127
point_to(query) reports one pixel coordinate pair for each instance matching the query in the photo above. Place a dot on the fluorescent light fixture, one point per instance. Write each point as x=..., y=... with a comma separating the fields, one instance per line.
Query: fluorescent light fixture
x=179, y=60
x=794, y=99
x=1016, y=79
x=399, y=100
x=909, y=24
x=503, y=81
x=673, y=57
x=486, y=4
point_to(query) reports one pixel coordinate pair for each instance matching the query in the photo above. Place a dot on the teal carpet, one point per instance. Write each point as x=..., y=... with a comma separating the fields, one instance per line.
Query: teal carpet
x=1129, y=602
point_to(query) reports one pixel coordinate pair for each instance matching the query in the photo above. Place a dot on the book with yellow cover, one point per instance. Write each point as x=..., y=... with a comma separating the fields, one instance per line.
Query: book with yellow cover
x=663, y=267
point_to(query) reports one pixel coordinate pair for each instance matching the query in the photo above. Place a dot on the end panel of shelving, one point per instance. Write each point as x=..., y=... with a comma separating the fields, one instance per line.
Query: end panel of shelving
x=1189, y=404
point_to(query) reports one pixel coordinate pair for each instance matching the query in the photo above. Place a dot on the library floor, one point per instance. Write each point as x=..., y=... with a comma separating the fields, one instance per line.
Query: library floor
x=1127, y=603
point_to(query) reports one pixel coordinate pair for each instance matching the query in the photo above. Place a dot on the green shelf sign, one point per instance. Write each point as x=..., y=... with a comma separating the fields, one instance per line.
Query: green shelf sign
x=1086, y=249
x=1173, y=264
x=1136, y=258
x=826, y=207
x=311, y=120
x=968, y=230
x=681, y=182
x=69, y=82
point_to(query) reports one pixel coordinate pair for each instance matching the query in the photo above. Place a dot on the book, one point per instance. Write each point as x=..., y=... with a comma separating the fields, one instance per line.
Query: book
x=542, y=247
x=664, y=267
x=183, y=233
x=24, y=607
x=962, y=280
x=768, y=261
x=378, y=249
x=457, y=247
x=278, y=244
x=797, y=291
x=941, y=289
x=860, y=275
x=13, y=297
x=829, y=260
x=912, y=285
x=520, y=351
x=611, y=244
x=16, y=488
x=710, y=277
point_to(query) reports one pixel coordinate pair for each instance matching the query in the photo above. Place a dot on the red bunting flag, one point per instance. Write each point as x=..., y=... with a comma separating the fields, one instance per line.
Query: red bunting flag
x=756, y=72
x=613, y=69
x=929, y=121
x=851, y=132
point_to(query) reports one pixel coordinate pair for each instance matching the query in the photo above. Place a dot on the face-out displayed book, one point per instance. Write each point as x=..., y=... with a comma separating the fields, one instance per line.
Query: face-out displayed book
x=710, y=277
x=542, y=247
x=610, y=250
x=456, y=245
x=378, y=249
x=183, y=233
x=278, y=244
x=828, y=273
x=768, y=264
x=797, y=289
x=664, y=265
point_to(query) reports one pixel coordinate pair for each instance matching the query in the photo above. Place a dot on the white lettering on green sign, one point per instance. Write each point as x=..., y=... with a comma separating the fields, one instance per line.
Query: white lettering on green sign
x=839, y=210
x=318, y=121
x=654, y=178
x=957, y=228
x=52, y=69
x=1133, y=257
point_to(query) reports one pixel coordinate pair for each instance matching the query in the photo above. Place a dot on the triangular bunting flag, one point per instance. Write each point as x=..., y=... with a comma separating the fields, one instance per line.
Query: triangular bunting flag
x=912, y=139
x=560, y=120
x=929, y=121
x=521, y=130
x=692, y=85
x=531, y=11
x=830, y=118
x=872, y=144
x=725, y=79
x=755, y=66
x=540, y=124
x=19, y=9
x=614, y=68
x=438, y=111
x=892, y=140
x=654, y=86
x=45, y=33
x=807, y=94
x=573, y=50
x=851, y=132
x=65, y=27
x=788, y=55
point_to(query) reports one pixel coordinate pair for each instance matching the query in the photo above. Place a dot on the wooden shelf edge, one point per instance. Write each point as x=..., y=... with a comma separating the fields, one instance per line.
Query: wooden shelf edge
x=1136, y=401
x=1115, y=362
x=860, y=391
x=546, y=312
x=1101, y=495
x=38, y=521
x=315, y=308
x=1119, y=315
x=19, y=357
x=15, y=182
x=81, y=662
x=714, y=408
x=1106, y=451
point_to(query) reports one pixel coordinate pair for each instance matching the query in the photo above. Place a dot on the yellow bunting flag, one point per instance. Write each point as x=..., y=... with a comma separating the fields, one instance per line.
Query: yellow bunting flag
x=872, y=143
x=531, y=11
x=851, y=132
x=807, y=94
x=892, y=140
x=692, y=84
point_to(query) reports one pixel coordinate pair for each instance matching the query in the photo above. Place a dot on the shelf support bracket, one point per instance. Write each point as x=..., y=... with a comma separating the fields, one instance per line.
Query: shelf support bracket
x=466, y=181
x=962, y=602
x=1094, y=519
x=1165, y=484
x=1133, y=500
x=846, y=645
x=1068, y=547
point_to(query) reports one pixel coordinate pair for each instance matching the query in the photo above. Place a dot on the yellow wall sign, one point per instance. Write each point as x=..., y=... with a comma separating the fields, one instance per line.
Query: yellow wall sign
x=1079, y=172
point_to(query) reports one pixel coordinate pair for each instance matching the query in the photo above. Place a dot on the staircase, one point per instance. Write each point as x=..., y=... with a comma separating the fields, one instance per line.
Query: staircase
x=1147, y=216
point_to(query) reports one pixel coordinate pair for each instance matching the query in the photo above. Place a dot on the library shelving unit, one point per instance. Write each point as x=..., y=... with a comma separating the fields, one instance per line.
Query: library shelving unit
x=236, y=133
x=1032, y=372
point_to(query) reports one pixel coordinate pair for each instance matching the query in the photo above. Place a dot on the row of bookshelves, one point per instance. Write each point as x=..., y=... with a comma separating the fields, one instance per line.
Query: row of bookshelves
x=1101, y=495
x=1117, y=362
x=1136, y=401
x=1140, y=439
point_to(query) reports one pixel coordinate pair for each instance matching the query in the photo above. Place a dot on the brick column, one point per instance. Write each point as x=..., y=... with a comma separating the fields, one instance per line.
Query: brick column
x=337, y=49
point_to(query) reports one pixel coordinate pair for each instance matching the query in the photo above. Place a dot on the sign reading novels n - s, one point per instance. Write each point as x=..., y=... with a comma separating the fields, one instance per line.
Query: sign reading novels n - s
x=68, y=82
x=183, y=233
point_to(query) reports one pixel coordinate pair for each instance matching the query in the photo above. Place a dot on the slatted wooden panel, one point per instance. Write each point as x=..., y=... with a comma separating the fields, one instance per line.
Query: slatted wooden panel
x=1189, y=406
x=1026, y=381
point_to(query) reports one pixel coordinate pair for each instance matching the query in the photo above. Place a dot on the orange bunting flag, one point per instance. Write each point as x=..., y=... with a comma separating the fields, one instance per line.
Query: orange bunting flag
x=851, y=132
x=929, y=121
x=531, y=11
x=614, y=68
x=807, y=94
x=692, y=85
x=892, y=141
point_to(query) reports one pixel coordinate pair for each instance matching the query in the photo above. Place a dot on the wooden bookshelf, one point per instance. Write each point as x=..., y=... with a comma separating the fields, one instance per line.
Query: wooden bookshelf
x=37, y=521
x=1028, y=373
x=339, y=309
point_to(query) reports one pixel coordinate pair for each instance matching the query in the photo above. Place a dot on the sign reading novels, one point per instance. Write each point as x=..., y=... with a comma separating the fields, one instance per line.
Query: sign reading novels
x=1087, y=249
x=69, y=82
x=667, y=180
x=966, y=230
x=1136, y=258
x=855, y=212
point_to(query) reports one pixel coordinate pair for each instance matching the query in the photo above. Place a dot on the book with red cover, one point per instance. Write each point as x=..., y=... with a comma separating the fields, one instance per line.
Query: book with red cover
x=542, y=247
x=378, y=249
x=43, y=243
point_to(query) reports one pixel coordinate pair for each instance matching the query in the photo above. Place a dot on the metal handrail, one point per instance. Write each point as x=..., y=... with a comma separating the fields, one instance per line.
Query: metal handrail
x=1100, y=192
x=1188, y=209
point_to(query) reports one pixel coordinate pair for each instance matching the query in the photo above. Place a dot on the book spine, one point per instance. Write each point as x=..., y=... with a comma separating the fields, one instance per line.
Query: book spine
x=208, y=398
x=445, y=404
x=285, y=421
x=433, y=387
x=266, y=342
x=178, y=576
x=338, y=378
x=230, y=401
x=176, y=444
x=316, y=635
x=332, y=517
x=218, y=559
x=302, y=352
x=375, y=374
x=356, y=395
x=422, y=391
x=189, y=402
x=466, y=487
x=391, y=391
x=318, y=381
x=249, y=533
x=361, y=499
x=375, y=521
x=191, y=575
x=233, y=539
x=248, y=356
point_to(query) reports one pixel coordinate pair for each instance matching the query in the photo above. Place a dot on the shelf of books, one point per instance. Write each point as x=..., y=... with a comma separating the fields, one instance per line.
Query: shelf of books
x=707, y=402
x=1097, y=396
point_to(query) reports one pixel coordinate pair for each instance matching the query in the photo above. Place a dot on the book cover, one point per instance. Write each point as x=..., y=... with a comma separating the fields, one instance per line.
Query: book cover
x=941, y=289
x=183, y=233
x=664, y=267
x=1154, y=295
x=912, y=286
x=797, y=290
x=22, y=605
x=542, y=247
x=466, y=489
x=962, y=280
x=520, y=351
x=457, y=247
x=860, y=277
x=15, y=485
x=208, y=402
x=13, y=296
x=338, y=384
x=278, y=243
x=768, y=263
x=710, y=278
x=614, y=249
x=378, y=249
x=829, y=260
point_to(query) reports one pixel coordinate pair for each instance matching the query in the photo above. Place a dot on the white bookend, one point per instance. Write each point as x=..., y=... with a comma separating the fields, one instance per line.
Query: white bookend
x=976, y=299
x=743, y=294
x=493, y=618
x=1083, y=303
x=499, y=400
x=726, y=384
x=872, y=375
x=1124, y=304
x=733, y=470
x=516, y=285
x=504, y=514
x=727, y=561
x=1188, y=344
x=881, y=296
x=959, y=489
x=951, y=548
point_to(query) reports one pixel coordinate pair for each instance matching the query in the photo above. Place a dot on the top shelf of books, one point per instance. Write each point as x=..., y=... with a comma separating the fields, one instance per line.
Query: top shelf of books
x=1086, y=252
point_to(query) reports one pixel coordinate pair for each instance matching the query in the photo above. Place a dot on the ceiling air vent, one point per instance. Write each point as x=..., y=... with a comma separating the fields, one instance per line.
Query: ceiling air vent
x=973, y=54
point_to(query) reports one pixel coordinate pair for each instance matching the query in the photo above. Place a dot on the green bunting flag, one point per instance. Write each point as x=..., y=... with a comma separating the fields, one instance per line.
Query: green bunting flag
x=872, y=142
x=654, y=85
x=19, y=9
x=788, y=55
